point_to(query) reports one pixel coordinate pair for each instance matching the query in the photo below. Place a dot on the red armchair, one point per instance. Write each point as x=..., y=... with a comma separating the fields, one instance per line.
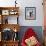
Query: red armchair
x=29, y=34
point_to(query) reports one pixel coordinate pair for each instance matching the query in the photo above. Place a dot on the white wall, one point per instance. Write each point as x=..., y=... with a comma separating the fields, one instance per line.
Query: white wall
x=27, y=3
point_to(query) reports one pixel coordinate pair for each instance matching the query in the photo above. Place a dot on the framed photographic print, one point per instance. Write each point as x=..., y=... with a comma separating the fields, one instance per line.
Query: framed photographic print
x=7, y=34
x=30, y=13
x=13, y=20
x=13, y=12
x=5, y=12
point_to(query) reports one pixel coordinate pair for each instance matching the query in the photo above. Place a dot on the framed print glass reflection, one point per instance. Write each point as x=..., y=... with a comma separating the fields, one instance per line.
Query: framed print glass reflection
x=30, y=13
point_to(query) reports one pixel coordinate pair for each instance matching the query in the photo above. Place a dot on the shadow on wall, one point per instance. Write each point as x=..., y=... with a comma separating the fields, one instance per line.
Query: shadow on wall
x=37, y=29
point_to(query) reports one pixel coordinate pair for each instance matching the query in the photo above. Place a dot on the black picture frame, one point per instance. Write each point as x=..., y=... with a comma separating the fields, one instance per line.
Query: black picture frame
x=30, y=13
